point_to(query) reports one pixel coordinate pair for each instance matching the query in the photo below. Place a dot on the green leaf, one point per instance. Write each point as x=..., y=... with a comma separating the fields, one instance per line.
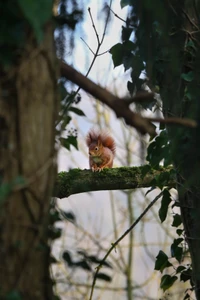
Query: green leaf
x=179, y=231
x=68, y=215
x=160, y=149
x=117, y=54
x=65, y=121
x=70, y=140
x=126, y=33
x=104, y=277
x=137, y=68
x=162, y=261
x=130, y=87
x=187, y=296
x=53, y=260
x=54, y=216
x=176, y=251
x=67, y=257
x=180, y=269
x=145, y=170
x=167, y=281
x=37, y=13
x=123, y=54
x=124, y=3
x=77, y=111
x=54, y=233
x=83, y=264
x=186, y=275
x=128, y=61
x=177, y=221
x=188, y=76
x=166, y=200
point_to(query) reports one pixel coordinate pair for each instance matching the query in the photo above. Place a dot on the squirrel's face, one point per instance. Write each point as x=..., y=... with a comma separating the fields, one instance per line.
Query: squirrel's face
x=95, y=150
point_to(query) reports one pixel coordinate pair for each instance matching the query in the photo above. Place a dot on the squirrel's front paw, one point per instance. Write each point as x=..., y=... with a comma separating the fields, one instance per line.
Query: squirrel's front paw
x=94, y=169
x=97, y=169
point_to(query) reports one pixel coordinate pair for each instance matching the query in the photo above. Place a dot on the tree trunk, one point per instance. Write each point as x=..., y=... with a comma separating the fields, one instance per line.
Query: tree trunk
x=185, y=142
x=28, y=110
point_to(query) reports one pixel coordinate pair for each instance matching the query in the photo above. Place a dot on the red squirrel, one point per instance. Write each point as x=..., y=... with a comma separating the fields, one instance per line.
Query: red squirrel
x=101, y=150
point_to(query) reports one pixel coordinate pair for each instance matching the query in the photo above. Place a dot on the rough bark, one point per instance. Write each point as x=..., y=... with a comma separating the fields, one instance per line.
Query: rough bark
x=28, y=110
x=185, y=143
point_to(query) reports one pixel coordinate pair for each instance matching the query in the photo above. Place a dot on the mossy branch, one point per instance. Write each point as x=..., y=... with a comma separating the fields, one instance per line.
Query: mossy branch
x=80, y=181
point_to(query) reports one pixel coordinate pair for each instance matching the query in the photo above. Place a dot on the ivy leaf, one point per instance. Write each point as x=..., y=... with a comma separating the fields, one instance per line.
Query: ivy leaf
x=188, y=76
x=179, y=231
x=128, y=61
x=96, y=260
x=65, y=121
x=77, y=111
x=54, y=217
x=52, y=260
x=68, y=215
x=145, y=170
x=117, y=54
x=124, y=3
x=186, y=275
x=54, y=233
x=180, y=269
x=67, y=257
x=167, y=281
x=126, y=33
x=122, y=54
x=177, y=221
x=104, y=277
x=159, y=149
x=177, y=251
x=130, y=87
x=162, y=261
x=70, y=140
x=83, y=264
x=37, y=14
x=187, y=296
x=166, y=199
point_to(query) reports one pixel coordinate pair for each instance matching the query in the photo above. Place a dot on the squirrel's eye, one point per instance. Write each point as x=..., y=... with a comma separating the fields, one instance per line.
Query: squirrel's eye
x=96, y=148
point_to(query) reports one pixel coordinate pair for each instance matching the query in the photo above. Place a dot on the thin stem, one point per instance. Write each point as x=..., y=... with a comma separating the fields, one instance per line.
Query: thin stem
x=120, y=239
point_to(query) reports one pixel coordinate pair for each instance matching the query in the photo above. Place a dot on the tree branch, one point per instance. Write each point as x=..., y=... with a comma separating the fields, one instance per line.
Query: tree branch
x=80, y=181
x=120, y=106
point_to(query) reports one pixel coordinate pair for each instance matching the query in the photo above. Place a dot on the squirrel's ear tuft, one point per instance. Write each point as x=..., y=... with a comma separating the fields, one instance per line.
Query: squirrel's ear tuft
x=92, y=136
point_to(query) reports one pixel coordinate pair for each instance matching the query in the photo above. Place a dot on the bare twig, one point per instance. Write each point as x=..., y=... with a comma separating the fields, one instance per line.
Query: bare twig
x=95, y=54
x=87, y=46
x=117, y=16
x=175, y=121
x=94, y=27
x=120, y=239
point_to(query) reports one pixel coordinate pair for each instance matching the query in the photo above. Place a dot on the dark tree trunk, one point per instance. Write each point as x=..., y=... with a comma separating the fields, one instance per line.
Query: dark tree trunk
x=28, y=110
x=185, y=142
x=169, y=40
